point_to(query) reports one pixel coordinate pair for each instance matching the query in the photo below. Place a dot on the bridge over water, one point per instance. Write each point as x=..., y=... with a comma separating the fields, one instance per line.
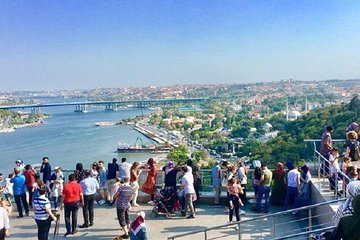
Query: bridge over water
x=109, y=105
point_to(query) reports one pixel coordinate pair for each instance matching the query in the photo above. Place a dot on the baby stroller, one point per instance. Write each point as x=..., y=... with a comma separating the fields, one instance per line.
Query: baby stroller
x=165, y=202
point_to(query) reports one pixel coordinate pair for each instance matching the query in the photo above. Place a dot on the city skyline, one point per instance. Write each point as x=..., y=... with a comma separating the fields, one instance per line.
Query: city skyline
x=96, y=44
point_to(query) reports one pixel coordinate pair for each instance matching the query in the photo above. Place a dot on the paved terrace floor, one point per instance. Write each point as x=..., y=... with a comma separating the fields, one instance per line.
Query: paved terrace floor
x=106, y=225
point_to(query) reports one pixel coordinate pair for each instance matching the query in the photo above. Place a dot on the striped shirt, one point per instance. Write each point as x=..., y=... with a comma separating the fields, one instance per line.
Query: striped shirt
x=125, y=195
x=40, y=204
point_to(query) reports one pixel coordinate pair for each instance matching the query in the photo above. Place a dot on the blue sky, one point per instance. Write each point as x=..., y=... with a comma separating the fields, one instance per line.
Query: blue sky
x=68, y=44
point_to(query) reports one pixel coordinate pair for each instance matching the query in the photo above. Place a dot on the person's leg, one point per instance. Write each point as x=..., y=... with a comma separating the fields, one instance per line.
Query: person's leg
x=85, y=210
x=47, y=228
x=243, y=196
x=287, y=198
x=190, y=204
x=91, y=209
x=30, y=191
x=259, y=198
x=231, y=211
x=237, y=209
x=67, y=209
x=25, y=203
x=2, y=234
x=267, y=198
x=74, y=215
x=41, y=227
x=217, y=194
x=18, y=204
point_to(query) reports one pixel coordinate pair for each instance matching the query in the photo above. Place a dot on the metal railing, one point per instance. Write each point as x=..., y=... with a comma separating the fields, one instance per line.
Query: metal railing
x=280, y=225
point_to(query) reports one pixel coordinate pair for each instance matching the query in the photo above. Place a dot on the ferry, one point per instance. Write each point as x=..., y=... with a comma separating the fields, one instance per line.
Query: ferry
x=108, y=123
x=142, y=149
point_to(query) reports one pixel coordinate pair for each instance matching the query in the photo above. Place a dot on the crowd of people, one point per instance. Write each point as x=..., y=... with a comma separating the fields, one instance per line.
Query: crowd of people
x=46, y=191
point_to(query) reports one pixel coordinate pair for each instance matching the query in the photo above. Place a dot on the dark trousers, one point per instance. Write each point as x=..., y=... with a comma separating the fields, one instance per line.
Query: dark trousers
x=123, y=217
x=43, y=228
x=71, y=209
x=243, y=196
x=88, y=209
x=292, y=195
x=2, y=234
x=18, y=200
x=235, y=209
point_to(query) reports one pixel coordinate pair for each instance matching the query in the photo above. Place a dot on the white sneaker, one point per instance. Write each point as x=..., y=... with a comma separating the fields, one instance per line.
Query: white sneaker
x=242, y=212
x=237, y=227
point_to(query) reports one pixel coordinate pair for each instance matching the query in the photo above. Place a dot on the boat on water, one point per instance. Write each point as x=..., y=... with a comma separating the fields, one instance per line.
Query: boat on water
x=108, y=123
x=142, y=148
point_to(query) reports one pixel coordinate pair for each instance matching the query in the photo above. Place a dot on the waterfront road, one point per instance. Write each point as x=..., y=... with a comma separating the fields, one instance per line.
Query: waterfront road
x=106, y=225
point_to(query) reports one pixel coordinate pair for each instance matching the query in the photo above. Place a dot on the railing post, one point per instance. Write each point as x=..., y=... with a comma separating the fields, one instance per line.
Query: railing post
x=205, y=234
x=274, y=226
x=336, y=185
x=239, y=231
x=310, y=219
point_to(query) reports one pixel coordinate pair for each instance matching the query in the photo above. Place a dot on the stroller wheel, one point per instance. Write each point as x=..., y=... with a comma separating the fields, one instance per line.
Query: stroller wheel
x=168, y=215
x=154, y=213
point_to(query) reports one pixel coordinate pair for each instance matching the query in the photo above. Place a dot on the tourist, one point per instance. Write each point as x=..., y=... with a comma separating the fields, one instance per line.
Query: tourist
x=6, y=188
x=278, y=187
x=187, y=183
x=348, y=226
x=56, y=186
x=89, y=186
x=94, y=171
x=30, y=174
x=345, y=209
x=19, y=192
x=102, y=182
x=196, y=175
x=138, y=230
x=45, y=169
x=171, y=172
x=264, y=188
x=256, y=180
x=19, y=163
x=79, y=172
x=72, y=198
x=4, y=223
x=149, y=185
x=353, y=127
x=134, y=181
x=123, y=197
x=325, y=149
x=304, y=198
x=241, y=175
x=352, y=146
x=293, y=185
x=38, y=184
x=216, y=176
x=112, y=171
x=234, y=201
x=43, y=214
x=124, y=169
x=335, y=172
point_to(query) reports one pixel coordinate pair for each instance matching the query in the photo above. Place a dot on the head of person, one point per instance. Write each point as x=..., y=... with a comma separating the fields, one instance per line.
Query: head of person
x=290, y=165
x=352, y=136
x=45, y=159
x=353, y=127
x=101, y=164
x=19, y=162
x=94, y=165
x=217, y=163
x=87, y=173
x=126, y=180
x=232, y=181
x=57, y=169
x=279, y=169
x=17, y=171
x=42, y=190
x=79, y=167
x=232, y=168
x=1, y=177
x=335, y=152
x=114, y=160
x=184, y=169
x=329, y=129
x=170, y=164
x=151, y=162
x=71, y=177
x=305, y=168
x=135, y=165
x=263, y=166
x=123, y=160
x=189, y=162
x=27, y=167
x=347, y=160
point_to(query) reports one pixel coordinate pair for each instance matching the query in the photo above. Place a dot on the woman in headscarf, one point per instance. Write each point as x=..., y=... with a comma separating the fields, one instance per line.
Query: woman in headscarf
x=170, y=175
x=278, y=190
x=138, y=229
x=149, y=185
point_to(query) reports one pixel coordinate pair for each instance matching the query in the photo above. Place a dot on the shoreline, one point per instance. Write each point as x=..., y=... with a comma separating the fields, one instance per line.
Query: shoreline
x=22, y=125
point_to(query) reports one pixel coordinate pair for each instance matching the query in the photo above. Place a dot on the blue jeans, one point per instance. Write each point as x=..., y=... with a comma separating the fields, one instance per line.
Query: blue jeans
x=263, y=191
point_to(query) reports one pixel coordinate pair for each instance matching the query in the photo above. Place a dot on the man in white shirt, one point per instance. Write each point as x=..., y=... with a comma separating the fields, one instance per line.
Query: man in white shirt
x=124, y=169
x=187, y=183
x=293, y=185
x=89, y=187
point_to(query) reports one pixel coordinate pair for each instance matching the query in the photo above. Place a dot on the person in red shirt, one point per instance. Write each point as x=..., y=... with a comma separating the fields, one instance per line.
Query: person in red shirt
x=30, y=174
x=71, y=200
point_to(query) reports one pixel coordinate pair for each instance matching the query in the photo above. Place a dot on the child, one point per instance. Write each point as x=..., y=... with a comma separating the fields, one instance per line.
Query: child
x=234, y=189
x=56, y=186
x=8, y=190
x=334, y=169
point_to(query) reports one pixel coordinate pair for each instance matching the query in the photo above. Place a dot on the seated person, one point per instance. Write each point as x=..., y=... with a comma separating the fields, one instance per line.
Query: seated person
x=348, y=227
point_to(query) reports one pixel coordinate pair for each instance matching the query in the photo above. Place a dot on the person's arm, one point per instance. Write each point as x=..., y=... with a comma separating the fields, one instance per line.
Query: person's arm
x=62, y=199
x=81, y=199
x=48, y=210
